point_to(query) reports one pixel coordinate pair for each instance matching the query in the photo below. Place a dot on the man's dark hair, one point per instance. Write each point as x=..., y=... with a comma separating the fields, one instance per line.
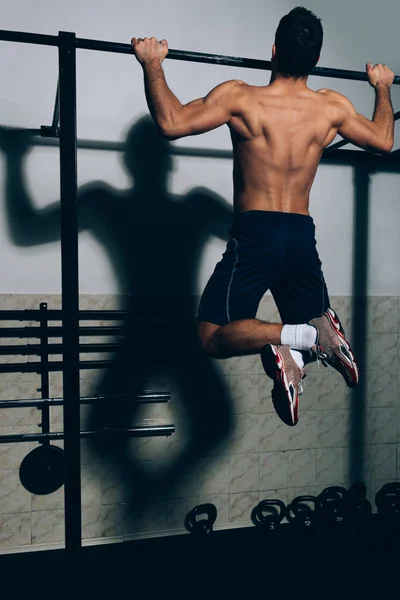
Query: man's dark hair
x=298, y=42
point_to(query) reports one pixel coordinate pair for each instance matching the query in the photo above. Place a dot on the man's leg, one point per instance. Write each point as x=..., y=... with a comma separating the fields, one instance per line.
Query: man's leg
x=238, y=338
x=251, y=264
x=302, y=297
x=249, y=336
x=252, y=336
x=254, y=261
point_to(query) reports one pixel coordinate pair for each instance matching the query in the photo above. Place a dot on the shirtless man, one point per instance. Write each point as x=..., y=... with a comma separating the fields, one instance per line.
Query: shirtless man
x=278, y=132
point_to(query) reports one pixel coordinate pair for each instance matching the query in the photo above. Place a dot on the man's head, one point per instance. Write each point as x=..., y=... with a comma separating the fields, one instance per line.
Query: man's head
x=148, y=154
x=298, y=42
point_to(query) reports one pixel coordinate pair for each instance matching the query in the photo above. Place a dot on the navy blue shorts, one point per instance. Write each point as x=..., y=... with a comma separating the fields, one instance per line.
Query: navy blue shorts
x=267, y=251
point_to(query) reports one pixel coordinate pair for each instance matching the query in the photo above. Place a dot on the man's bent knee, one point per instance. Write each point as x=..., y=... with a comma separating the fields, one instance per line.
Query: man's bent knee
x=206, y=333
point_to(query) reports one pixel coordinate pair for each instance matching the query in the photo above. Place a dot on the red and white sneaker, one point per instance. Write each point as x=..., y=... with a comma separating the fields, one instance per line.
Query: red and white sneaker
x=332, y=347
x=280, y=365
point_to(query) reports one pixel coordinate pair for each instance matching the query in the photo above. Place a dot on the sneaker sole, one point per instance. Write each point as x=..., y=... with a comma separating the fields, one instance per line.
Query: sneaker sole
x=287, y=410
x=343, y=359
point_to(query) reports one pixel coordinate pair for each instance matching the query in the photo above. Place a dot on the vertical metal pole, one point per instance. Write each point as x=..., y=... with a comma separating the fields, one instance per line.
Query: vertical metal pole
x=360, y=322
x=70, y=308
x=44, y=375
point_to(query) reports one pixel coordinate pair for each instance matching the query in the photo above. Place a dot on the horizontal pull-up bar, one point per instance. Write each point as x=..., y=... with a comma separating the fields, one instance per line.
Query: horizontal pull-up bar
x=200, y=57
x=230, y=61
x=28, y=38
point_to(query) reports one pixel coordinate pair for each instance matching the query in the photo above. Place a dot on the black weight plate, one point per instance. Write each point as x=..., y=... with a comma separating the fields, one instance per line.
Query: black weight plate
x=42, y=470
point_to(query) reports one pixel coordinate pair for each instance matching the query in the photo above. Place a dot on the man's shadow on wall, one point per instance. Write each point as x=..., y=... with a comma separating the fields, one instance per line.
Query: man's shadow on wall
x=155, y=242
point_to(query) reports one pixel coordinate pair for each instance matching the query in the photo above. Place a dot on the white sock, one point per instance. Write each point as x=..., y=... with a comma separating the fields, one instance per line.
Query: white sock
x=300, y=337
x=298, y=357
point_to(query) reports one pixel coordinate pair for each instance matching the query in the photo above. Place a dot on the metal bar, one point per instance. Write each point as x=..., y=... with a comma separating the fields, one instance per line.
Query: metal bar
x=25, y=315
x=28, y=38
x=145, y=398
x=37, y=350
x=44, y=374
x=70, y=307
x=336, y=146
x=344, y=142
x=219, y=59
x=200, y=57
x=175, y=150
x=53, y=130
x=141, y=431
x=84, y=315
x=35, y=332
x=57, y=366
x=103, y=46
x=56, y=113
x=345, y=74
x=388, y=163
x=334, y=156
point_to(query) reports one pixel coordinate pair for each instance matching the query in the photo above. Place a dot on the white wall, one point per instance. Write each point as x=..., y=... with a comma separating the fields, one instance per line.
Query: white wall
x=110, y=99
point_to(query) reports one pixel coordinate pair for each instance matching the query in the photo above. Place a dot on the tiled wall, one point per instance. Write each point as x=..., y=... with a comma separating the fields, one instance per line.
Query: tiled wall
x=261, y=456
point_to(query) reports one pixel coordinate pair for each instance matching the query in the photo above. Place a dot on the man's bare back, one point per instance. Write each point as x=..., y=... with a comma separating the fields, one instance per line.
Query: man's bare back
x=279, y=133
x=278, y=140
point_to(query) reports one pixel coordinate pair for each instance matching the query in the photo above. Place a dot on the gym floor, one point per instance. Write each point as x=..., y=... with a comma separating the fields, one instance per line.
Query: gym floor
x=243, y=563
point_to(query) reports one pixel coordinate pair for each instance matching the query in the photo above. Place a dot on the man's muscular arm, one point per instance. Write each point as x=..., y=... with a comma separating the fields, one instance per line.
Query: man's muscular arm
x=174, y=119
x=377, y=135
